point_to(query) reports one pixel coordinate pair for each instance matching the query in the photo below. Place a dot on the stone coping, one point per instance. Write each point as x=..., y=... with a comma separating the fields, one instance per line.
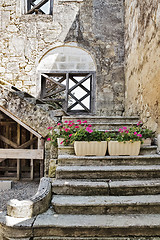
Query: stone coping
x=37, y=204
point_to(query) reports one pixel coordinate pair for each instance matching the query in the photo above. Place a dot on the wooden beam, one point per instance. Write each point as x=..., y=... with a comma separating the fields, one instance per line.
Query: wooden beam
x=79, y=83
x=37, y=6
x=9, y=142
x=80, y=103
x=27, y=144
x=53, y=93
x=81, y=99
x=18, y=143
x=20, y=122
x=54, y=81
x=22, y=153
x=75, y=81
x=32, y=161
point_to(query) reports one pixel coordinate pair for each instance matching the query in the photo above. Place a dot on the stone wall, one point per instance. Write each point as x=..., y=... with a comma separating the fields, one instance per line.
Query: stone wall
x=96, y=26
x=142, y=45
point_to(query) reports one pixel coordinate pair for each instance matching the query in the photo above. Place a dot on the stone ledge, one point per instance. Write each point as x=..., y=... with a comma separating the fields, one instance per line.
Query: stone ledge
x=37, y=204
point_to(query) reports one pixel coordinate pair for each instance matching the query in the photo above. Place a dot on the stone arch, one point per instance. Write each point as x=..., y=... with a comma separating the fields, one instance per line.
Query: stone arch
x=67, y=58
x=73, y=69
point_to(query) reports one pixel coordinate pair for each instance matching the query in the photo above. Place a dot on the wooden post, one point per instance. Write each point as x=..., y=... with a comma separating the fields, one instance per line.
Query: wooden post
x=32, y=161
x=18, y=143
x=41, y=146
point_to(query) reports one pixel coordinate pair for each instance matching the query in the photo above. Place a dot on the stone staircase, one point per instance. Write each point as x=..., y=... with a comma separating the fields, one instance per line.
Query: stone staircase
x=110, y=197
x=101, y=198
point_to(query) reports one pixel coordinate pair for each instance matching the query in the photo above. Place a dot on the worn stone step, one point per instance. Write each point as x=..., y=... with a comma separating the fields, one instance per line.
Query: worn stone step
x=72, y=160
x=103, y=119
x=96, y=238
x=75, y=187
x=111, y=125
x=148, y=150
x=145, y=204
x=108, y=172
x=96, y=225
x=113, y=188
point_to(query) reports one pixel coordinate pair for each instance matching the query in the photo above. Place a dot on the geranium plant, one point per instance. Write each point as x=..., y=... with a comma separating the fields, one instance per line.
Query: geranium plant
x=126, y=134
x=71, y=132
x=86, y=133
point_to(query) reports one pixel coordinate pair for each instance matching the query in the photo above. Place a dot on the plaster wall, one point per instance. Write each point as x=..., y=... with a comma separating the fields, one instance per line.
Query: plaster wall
x=95, y=26
x=142, y=46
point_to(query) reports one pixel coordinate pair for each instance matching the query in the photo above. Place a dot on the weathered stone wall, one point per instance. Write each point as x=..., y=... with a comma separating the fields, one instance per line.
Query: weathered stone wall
x=142, y=45
x=97, y=26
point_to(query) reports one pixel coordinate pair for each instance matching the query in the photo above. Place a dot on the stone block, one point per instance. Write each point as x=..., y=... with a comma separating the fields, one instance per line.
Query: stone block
x=5, y=185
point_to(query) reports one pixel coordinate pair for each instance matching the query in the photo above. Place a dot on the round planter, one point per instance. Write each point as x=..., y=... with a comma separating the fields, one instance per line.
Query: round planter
x=116, y=148
x=93, y=148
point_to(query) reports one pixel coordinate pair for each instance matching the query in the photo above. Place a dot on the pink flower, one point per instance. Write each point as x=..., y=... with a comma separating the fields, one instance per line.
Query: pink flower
x=48, y=139
x=61, y=142
x=139, y=135
x=84, y=121
x=89, y=125
x=125, y=128
x=49, y=128
x=59, y=124
x=135, y=133
x=76, y=126
x=106, y=131
x=65, y=121
x=71, y=121
x=120, y=130
x=89, y=130
x=70, y=135
x=127, y=131
x=79, y=121
x=140, y=122
x=66, y=129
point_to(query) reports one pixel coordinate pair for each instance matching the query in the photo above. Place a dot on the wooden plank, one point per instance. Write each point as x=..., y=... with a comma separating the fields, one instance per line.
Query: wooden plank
x=9, y=142
x=20, y=122
x=37, y=6
x=32, y=161
x=54, y=81
x=18, y=143
x=22, y=153
x=80, y=103
x=75, y=81
x=79, y=83
x=6, y=123
x=27, y=144
x=81, y=99
x=53, y=93
x=51, y=7
x=67, y=89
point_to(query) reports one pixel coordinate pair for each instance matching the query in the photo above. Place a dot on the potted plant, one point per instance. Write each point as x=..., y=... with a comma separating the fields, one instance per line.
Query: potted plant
x=147, y=134
x=89, y=142
x=126, y=142
x=60, y=135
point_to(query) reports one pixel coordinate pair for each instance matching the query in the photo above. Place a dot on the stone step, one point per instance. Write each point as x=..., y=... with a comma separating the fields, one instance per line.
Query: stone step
x=72, y=160
x=103, y=119
x=104, y=187
x=120, y=225
x=146, y=204
x=111, y=125
x=96, y=238
x=108, y=172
